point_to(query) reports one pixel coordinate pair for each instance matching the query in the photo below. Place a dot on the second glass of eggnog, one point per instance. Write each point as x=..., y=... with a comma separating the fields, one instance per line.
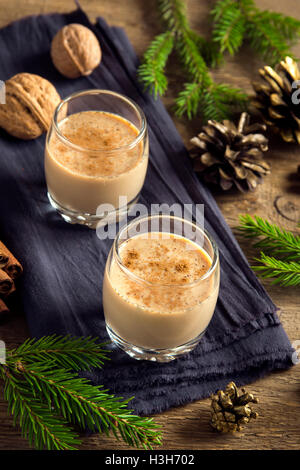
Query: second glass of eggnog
x=96, y=157
x=160, y=287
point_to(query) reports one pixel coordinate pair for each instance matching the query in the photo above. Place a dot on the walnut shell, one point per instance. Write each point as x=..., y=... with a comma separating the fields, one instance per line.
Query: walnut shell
x=75, y=51
x=30, y=104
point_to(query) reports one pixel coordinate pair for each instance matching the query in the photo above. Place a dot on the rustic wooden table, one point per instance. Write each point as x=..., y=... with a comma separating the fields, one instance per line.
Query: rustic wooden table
x=278, y=199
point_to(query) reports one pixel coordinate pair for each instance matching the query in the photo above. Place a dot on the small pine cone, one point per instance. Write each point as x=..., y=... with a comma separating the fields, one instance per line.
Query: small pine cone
x=230, y=409
x=278, y=99
x=228, y=155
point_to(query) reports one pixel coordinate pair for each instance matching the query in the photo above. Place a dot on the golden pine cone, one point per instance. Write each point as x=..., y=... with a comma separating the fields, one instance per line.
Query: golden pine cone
x=278, y=99
x=230, y=409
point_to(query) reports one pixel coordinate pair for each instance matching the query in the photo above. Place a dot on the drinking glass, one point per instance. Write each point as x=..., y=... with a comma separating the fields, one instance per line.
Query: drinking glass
x=155, y=320
x=91, y=183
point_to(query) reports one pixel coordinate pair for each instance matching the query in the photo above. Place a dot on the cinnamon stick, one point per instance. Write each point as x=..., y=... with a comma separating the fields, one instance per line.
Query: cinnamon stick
x=3, y=308
x=9, y=263
x=6, y=283
x=4, y=255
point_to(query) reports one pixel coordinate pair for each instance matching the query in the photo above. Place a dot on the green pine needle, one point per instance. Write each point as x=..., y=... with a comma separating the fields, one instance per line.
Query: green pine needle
x=282, y=272
x=199, y=93
x=217, y=103
x=276, y=241
x=89, y=406
x=46, y=397
x=270, y=34
x=192, y=60
x=266, y=39
x=188, y=100
x=151, y=72
x=36, y=420
x=209, y=50
x=229, y=30
x=77, y=353
x=288, y=27
x=227, y=100
x=235, y=22
x=173, y=13
x=221, y=7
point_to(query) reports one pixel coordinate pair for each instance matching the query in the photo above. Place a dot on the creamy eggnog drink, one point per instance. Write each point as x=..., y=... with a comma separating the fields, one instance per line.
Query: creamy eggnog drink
x=92, y=158
x=159, y=294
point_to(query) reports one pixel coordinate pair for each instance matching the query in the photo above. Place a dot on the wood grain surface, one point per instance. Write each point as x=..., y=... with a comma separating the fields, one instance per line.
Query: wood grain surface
x=278, y=199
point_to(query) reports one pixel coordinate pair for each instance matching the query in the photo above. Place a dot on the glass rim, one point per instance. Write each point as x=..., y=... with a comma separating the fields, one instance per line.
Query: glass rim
x=96, y=91
x=130, y=274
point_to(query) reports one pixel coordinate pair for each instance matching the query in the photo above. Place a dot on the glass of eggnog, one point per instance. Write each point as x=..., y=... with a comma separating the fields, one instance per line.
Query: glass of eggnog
x=160, y=287
x=96, y=156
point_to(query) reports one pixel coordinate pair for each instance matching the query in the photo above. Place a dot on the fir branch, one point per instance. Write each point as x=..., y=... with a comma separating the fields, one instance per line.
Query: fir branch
x=283, y=272
x=199, y=92
x=229, y=29
x=266, y=39
x=90, y=406
x=221, y=7
x=270, y=34
x=288, y=27
x=188, y=100
x=217, y=104
x=45, y=396
x=192, y=60
x=227, y=100
x=276, y=240
x=151, y=72
x=174, y=14
x=77, y=353
x=209, y=50
x=248, y=6
x=37, y=422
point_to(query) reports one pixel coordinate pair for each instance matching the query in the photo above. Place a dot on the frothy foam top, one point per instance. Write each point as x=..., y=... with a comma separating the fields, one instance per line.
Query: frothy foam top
x=174, y=262
x=98, y=132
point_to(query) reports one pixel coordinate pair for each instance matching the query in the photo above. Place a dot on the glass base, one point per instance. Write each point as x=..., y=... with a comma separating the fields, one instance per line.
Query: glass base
x=155, y=355
x=91, y=220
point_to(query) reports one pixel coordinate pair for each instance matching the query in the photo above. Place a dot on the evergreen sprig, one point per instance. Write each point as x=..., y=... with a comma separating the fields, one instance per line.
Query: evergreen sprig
x=275, y=241
x=77, y=353
x=235, y=22
x=200, y=92
x=47, y=398
x=229, y=27
x=270, y=34
x=283, y=272
x=152, y=71
x=36, y=420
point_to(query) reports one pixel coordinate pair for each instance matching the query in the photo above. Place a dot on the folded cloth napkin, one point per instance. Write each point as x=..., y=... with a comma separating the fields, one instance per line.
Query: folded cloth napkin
x=63, y=264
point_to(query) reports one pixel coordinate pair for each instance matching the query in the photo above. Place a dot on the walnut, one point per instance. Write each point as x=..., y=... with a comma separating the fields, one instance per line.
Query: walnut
x=30, y=104
x=75, y=51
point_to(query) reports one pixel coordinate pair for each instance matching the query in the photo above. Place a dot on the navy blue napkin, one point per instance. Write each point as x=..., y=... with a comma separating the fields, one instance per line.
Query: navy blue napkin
x=63, y=264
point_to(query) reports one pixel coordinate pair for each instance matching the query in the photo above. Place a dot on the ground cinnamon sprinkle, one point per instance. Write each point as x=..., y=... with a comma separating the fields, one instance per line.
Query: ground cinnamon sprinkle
x=181, y=267
x=98, y=133
x=130, y=256
x=163, y=260
x=170, y=267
